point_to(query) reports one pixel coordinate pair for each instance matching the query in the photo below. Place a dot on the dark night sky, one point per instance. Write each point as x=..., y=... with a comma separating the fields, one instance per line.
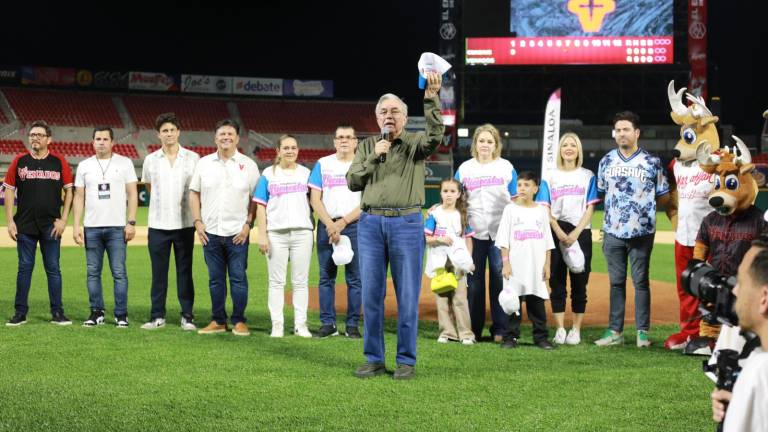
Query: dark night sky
x=366, y=47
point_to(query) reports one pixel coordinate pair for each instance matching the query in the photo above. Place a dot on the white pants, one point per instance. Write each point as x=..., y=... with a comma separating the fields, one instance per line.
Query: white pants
x=296, y=245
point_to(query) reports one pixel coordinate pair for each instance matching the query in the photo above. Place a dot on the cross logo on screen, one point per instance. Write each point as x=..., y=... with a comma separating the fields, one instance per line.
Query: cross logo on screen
x=591, y=12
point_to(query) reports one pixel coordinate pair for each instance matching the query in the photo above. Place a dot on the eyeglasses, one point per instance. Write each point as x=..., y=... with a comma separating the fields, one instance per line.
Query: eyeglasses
x=38, y=135
x=394, y=112
x=345, y=137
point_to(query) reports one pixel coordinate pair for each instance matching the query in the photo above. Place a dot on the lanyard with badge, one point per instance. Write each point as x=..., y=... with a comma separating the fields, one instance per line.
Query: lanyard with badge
x=104, y=189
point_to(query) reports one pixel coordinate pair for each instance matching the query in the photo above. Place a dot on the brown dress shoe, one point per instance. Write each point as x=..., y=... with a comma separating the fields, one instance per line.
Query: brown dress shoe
x=212, y=328
x=241, y=329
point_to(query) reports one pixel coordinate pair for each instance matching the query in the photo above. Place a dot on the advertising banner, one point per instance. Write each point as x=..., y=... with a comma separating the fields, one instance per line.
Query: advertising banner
x=110, y=80
x=152, y=81
x=313, y=88
x=697, y=47
x=9, y=76
x=257, y=86
x=551, y=140
x=47, y=76
x=206, y=84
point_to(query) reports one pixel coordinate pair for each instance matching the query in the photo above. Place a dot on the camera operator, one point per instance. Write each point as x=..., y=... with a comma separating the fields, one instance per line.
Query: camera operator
x=746, y=409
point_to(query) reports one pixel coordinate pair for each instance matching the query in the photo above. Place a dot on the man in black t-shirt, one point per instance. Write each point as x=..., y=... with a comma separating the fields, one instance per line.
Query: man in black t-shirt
x=37, y=179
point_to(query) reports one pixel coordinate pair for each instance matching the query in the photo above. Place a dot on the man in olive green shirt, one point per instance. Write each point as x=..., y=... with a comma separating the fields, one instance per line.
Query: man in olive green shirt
x=389, y=170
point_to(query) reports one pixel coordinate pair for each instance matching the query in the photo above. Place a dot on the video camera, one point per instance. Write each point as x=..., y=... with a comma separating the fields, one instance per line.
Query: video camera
x=714, y=291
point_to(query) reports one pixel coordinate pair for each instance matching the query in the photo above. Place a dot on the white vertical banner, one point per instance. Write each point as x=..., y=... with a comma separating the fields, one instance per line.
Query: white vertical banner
x=551, y=140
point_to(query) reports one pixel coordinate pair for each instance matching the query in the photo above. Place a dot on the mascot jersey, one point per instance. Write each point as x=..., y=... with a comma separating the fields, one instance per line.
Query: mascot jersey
x=730, y=237
x=693, y=189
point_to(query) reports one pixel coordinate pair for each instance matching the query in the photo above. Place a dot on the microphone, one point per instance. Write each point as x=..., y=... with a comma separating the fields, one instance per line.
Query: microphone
x=386, y=134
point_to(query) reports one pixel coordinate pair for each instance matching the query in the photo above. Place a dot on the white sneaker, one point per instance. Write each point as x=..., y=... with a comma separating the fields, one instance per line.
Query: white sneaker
x=302, y=331
x=467, y=341
x=442, y=339
x=188, y=324
x=154, y=324
x=559, y=338
x=573, y=338
x=277, y=330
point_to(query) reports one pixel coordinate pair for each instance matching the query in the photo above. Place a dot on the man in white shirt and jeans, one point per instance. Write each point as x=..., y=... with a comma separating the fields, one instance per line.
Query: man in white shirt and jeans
x=167, y=173
x=746, y=406
x=105, y=187
x=219, y=197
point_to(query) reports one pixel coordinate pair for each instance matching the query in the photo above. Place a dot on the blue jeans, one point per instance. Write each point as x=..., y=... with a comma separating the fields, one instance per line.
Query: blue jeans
x=26, y=246
x=111, y=239
x=483, y=250
x=224, y=257
x=398, y=241
x=327, y=285
x=638, y=250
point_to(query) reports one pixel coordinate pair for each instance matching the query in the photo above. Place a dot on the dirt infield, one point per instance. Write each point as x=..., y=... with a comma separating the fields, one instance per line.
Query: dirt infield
x=664, y=302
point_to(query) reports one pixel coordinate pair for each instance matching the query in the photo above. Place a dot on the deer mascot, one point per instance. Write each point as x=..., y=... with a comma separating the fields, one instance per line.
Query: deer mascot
x=726, y=233
x=690, y=188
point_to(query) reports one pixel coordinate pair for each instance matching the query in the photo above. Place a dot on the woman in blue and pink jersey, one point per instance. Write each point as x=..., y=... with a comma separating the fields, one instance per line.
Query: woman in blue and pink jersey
x=286, y=233
x=489, y=182
x=572, y=197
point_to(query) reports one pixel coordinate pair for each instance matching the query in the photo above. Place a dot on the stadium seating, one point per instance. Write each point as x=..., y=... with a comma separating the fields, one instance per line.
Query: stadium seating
x=81, y=150
x=201, y=150
x=64, y=108
x=305, y=155
x=2, y=117
x=193, y=113
x=12, y=147
x=280, y=116
x=761, y=158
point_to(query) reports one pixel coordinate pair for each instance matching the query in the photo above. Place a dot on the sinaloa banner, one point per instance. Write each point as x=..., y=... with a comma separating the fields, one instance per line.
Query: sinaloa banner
x=152, y=81
x=206, y=84
x=257, y=86
x=309, y=88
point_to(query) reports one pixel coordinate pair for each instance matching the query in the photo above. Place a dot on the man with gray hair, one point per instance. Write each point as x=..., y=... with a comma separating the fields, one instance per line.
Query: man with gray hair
x=389, y=170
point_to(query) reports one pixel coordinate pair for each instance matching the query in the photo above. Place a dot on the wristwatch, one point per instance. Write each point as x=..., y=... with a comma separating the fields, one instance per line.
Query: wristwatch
x=132, y=222
x=250, y=224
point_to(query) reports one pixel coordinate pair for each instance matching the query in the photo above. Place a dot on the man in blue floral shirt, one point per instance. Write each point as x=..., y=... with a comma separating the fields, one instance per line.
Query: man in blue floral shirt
x=633, y=182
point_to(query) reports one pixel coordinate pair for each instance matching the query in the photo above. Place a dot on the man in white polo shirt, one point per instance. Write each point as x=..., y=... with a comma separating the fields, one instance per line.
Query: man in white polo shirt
x=167, y=173
x=105, y=186
x=338, y=210
x=219, y=197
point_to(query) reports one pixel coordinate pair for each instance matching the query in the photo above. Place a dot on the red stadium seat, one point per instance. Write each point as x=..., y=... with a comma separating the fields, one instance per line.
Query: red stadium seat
x=193, y=113
x=64, y=108
x=312, y=117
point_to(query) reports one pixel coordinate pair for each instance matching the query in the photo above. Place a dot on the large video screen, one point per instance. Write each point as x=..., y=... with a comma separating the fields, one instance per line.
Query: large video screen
x=545, y=32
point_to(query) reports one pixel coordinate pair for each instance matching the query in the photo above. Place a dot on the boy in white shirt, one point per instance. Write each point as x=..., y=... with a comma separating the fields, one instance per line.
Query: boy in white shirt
x=525, y=239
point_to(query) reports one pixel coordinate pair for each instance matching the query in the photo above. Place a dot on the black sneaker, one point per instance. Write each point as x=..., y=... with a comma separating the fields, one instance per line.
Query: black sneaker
x=59, y=318
x=404, y=372
x=96, y=318
x=17, y=320
x=121, y=321
x=545, y=345
x=353, y=333
x=509, y=343
x=327, y=330
x=369, y=370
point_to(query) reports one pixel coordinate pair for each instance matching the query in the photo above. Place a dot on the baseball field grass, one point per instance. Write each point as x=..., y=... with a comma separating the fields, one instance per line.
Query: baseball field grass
x=75, y=378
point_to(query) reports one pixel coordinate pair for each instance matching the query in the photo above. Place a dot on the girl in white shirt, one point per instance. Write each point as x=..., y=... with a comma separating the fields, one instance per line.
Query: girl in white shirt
x=285, y=233
x=572, y=195
x=446, y=224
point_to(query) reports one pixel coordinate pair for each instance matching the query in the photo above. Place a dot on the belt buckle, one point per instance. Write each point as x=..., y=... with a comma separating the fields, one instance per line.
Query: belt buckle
x=391, y=212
